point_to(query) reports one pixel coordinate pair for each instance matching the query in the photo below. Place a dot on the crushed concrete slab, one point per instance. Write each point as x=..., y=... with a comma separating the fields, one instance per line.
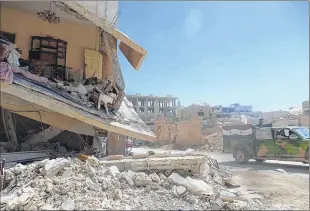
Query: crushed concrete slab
x=53, y=167
x=89, y=185
x=68, y=205
x=196, y=186
x=128, y=178
x=238, y=205
x=228, y=196
x=181, y=190
x=66, y=173
x=163, y=177
x=155, y=177
x=142, y=179
x=114, y=171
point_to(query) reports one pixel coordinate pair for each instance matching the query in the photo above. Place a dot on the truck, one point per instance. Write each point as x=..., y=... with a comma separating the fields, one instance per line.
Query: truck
x=288, y=143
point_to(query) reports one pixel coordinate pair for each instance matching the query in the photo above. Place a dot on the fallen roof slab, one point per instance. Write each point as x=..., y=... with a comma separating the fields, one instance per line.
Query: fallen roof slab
x=191, y=163
x=134, y=53
x=39, y=104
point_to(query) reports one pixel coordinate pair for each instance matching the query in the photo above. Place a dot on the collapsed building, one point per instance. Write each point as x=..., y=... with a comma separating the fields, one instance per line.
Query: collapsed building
x=180, y=182
x=191, y=133
x=59, y=66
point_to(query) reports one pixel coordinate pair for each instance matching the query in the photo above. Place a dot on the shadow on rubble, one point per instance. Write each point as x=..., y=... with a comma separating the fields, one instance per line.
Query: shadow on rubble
x=256, y=166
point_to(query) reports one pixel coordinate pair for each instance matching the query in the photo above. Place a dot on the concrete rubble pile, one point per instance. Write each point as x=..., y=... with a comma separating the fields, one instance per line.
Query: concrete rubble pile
x=214, y=143
x=72, y=184
x=92, y=92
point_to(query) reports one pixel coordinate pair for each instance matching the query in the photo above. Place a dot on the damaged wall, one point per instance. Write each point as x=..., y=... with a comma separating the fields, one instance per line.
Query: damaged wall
x=192, y=111
x=186, y=133
x=211, y=130
x=26, y=25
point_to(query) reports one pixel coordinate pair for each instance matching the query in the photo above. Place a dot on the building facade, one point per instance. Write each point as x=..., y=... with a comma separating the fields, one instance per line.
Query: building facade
x=151, y=108
x=201, y=110
x=233, y=108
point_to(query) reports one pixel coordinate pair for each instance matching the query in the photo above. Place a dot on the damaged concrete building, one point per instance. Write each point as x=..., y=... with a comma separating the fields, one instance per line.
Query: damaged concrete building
x=152, y=108
x=195, y=110
x=59, y=67
x=213, y=114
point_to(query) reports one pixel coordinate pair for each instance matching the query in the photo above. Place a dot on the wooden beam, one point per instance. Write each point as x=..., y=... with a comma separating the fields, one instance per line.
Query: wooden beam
x=133, y=57
x=54, y=112
x=137, y=53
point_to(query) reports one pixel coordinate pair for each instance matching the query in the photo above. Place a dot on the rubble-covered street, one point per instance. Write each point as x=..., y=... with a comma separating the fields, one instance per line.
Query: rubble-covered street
x=271, y=182
x=75, y=185
x=277, y=184
x=207, y=125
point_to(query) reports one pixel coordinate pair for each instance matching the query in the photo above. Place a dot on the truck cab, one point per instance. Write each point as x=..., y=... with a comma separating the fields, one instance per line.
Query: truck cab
x=246, y=142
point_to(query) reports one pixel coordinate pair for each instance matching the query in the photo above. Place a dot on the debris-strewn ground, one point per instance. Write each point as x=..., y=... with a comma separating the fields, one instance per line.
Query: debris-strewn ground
x=74, y=185
x=280, y=185
x=282, y=190
x=214, y=143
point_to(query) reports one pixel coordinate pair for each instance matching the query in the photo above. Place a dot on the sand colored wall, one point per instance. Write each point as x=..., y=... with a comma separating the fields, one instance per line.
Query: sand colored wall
x=209, y=131
x=25, y=25
x=191, y=112
x=162, y=132
x=187, y=133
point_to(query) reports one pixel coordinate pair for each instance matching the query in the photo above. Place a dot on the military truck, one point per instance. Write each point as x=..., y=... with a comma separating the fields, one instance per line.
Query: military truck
x=246, y=142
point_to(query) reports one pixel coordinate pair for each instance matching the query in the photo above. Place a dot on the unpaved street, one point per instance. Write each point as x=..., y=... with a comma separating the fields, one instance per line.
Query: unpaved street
x=282, y=190
x=284, y=185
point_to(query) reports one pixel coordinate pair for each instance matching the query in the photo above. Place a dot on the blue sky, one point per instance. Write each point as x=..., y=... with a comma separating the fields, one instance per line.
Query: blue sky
x=253, y=53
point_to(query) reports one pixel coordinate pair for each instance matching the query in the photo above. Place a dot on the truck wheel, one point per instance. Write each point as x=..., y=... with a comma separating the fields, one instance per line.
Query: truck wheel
x=241, y=156
x=260, y=160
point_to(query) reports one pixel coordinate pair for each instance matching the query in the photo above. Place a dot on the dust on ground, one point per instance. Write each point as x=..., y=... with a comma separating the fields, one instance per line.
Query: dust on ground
x=282, y=190
x=287, y=188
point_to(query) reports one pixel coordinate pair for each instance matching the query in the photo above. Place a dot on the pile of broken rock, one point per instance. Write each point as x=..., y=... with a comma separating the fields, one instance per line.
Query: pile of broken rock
x=75, y=185
x=214, y=143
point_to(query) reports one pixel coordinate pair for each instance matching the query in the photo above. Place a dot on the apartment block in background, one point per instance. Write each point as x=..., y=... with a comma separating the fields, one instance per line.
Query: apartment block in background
x=151, y=108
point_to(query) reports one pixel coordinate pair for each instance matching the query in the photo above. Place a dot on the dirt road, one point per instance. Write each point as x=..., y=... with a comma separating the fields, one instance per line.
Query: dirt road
x=285, y=189
x=285, y=185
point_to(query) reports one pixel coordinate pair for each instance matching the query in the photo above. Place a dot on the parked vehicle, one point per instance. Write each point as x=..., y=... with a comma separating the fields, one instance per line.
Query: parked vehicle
x=246, y=142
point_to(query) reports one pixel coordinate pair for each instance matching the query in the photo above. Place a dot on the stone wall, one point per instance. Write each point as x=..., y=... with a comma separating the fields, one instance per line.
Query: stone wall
x=184, y=133
x=209, y=131
x=191, y=112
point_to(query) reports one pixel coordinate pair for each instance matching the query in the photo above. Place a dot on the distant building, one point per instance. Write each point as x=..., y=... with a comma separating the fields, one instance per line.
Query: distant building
x=201, y=110
x=305, y=107
x=233, y=108
x=151, y=108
